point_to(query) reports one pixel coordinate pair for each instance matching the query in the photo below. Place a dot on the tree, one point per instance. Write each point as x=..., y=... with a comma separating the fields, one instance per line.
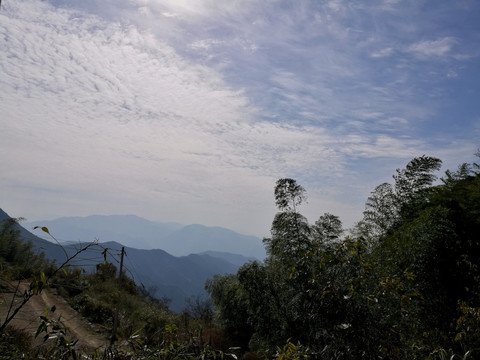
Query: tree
x=201, y=308
x=231, y=304
x=381, y=211
x=290, y=230
x=389, y=204
x=260, y=301
x=435, y=240
x=416, y=177
x=16, y=254
x=327, y=229
x=309, y=289
x=290, y=237
x=413, y=183
x=288, y=194
x=268, y=304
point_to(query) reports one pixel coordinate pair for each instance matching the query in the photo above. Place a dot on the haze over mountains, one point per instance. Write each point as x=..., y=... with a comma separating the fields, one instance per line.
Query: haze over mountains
x=219, y=251
x=137, y=232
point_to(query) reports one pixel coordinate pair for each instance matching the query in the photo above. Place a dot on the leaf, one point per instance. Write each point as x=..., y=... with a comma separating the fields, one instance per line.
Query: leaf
x=43, y=279
x=39, y=330
x=44, y=229
x=292, y=272
x=135, y=334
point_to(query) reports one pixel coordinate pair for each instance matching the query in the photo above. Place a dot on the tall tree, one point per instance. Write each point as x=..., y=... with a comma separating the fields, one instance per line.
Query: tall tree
x=381, y=211
x=288, y=194
x=413, y=183
x=389, y=204
x=231, y=303
x=327, y=229
x=290, y=230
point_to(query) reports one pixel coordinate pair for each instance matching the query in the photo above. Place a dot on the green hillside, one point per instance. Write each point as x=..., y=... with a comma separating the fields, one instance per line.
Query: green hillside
x=125, y=316
x=167, y=276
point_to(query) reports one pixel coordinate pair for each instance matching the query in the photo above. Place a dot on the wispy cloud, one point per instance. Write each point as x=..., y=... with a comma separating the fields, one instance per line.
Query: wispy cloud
x=439, y=47
x=386, y=52
x=189, y=111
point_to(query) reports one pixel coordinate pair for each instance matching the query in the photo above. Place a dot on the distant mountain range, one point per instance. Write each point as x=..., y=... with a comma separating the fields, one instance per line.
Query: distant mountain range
x=165, y=275
x=133, y=231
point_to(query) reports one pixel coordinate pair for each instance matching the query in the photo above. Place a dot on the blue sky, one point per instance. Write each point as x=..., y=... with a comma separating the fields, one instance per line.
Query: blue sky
x=189, y=111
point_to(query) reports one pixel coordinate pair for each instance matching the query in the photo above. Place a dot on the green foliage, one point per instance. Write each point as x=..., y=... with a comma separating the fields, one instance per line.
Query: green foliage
x=106, y=271
x=381, y=212
x=389, y=205
x=290, y=351
x=199, y=308
x=268, y=304
x=38, y=280
x=69, y=282
x=290, y=237
x=467, y=327
x=231, y=303
x=173, y=347
x=15, y=344
x=416, y=177
x=60, y=346
x=146, y=325
x=288, y=194
x=17, y=259
x=327, y=229
x=442, y=354
x=405, y=284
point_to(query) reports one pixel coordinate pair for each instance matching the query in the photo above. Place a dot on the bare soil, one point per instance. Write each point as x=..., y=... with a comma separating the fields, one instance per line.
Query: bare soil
x=28, y=317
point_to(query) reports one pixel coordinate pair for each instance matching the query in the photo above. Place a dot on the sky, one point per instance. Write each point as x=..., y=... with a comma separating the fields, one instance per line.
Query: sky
x=190, y=110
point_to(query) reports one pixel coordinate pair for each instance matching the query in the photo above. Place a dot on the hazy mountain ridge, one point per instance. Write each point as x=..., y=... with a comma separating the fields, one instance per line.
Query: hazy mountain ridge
x=235, y=259
x=126, y=229
x=165, y=275
x=134, y=231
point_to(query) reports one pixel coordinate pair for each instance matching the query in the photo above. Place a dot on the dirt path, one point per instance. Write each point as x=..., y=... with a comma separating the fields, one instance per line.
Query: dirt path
x=28, y=317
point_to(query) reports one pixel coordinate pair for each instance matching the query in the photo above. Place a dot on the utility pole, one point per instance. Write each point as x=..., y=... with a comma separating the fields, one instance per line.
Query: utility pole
x=115, y=319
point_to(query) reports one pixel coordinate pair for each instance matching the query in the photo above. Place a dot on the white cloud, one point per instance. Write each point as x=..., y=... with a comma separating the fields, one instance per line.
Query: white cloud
x=439, y=47
x=451, y=74
x=386, y=52
x=109, y=105
x=205, y=44
x=168, y=14
x=194, y=116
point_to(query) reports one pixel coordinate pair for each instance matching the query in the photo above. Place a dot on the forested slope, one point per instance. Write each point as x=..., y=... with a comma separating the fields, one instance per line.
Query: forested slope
x=404, y=283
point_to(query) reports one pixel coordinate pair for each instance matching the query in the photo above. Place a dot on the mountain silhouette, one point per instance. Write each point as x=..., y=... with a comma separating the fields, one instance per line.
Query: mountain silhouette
x=164, y=275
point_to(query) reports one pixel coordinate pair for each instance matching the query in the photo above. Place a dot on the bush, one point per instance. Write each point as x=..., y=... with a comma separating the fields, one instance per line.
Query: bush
x=93, y=309
x=15, y=343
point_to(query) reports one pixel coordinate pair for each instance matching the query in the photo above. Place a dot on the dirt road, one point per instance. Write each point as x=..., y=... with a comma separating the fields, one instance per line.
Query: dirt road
x=28, y=317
